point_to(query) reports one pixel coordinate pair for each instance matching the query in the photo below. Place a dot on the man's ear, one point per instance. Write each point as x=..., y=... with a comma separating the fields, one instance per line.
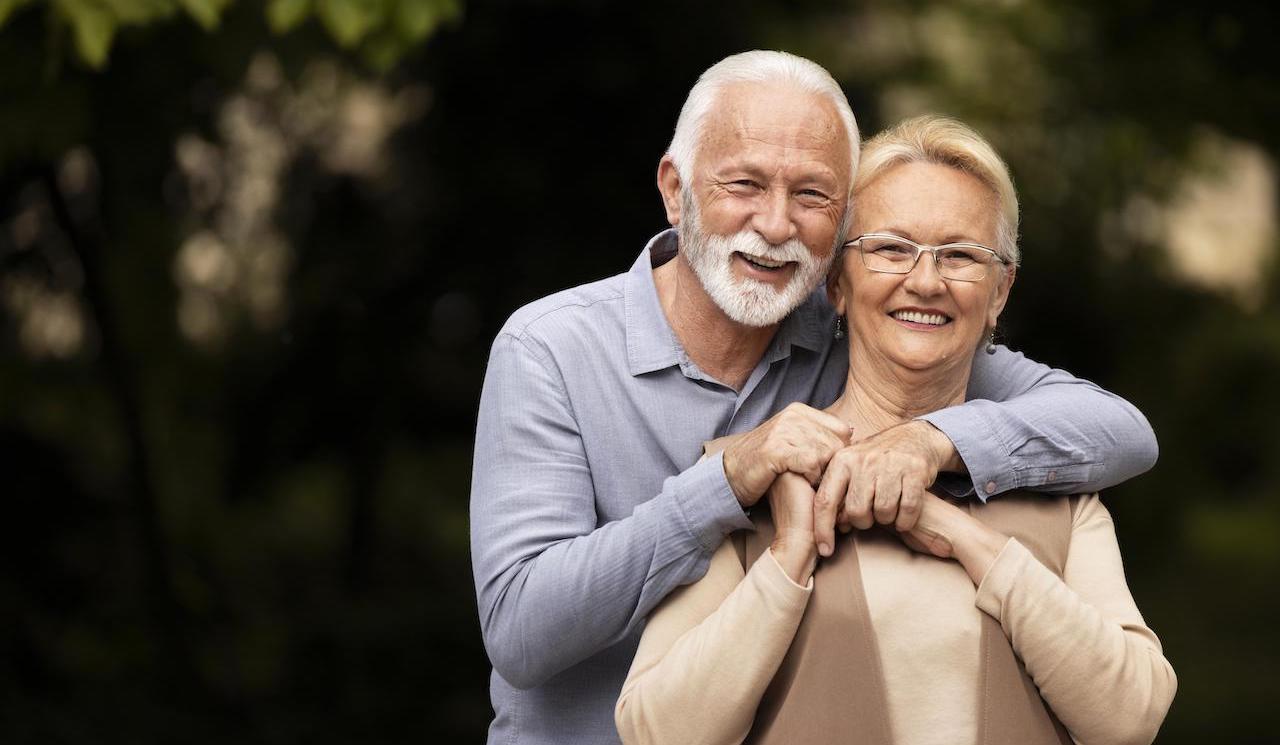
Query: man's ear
x=669, y=186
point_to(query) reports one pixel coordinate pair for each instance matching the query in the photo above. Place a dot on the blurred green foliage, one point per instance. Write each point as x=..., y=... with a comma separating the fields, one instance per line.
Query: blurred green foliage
x=252, y=255
x=382, y=30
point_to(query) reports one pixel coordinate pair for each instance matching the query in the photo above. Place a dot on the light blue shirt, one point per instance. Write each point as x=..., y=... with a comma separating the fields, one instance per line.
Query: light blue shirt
x=589, y=503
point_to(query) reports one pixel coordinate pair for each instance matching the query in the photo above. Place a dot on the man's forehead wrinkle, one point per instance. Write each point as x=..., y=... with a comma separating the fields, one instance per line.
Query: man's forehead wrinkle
x=776, y=130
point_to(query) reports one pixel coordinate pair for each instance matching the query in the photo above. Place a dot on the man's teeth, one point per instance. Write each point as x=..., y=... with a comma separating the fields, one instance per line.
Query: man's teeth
x=932, y=319
x=762, y=261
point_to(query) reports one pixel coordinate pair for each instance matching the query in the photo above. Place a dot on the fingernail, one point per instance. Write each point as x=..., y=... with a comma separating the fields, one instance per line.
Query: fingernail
x=824, y=549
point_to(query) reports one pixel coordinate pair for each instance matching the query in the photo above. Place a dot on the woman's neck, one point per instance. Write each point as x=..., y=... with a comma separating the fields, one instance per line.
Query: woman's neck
x=880, y=393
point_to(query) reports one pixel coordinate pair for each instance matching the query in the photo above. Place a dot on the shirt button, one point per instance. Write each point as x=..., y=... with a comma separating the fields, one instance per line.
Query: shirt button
x=991, y=487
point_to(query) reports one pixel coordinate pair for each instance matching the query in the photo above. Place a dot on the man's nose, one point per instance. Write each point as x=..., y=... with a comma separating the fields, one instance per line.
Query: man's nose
x=772, y=220
x=924, y=279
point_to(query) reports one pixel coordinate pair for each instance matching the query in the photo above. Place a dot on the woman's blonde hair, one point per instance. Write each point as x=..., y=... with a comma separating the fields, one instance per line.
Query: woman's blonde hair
x=944, y=141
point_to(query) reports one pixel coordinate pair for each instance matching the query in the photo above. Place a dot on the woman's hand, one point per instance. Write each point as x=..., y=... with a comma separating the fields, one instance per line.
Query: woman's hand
x=946, y=531
x=791, y=504
x=881, y=479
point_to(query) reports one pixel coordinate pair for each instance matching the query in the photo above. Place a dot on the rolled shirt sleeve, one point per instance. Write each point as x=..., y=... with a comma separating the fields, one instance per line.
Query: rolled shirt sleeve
x=1029, y=426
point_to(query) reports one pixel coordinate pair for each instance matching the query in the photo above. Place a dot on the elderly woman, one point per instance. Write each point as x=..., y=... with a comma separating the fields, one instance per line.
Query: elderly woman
x=1008, y=622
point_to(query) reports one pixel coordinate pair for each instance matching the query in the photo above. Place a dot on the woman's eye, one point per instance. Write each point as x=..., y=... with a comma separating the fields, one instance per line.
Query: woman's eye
x=957, y=257
x=894, y=251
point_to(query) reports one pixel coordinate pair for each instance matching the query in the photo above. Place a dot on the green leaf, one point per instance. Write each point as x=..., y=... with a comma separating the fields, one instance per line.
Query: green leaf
x=8, y=6
x=382, y=50
x=416, y=19
x=207, y=13
x=448, y=9
x=93, y=27
x=286, y=15
x=349, y=21
x=129, y=12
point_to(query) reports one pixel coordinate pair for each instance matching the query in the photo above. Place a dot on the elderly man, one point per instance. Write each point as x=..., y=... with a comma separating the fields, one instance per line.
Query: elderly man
x=589, y=501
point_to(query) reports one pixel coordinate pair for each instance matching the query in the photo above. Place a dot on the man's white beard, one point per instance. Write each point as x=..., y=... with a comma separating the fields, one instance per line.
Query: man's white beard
x=748, y=301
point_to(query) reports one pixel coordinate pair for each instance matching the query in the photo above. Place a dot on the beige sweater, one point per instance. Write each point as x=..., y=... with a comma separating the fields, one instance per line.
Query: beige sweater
x=711, y=648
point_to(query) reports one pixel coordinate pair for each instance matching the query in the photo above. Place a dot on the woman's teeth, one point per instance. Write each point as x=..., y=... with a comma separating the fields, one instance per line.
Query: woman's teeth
x=912, y=316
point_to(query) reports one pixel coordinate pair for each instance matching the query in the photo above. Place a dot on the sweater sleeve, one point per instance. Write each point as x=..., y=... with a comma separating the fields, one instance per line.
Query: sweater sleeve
x=708, y=653
x=1082, y=639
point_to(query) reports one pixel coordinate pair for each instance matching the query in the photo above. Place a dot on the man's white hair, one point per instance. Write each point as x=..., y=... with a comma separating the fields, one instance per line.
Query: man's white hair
x=757, y=66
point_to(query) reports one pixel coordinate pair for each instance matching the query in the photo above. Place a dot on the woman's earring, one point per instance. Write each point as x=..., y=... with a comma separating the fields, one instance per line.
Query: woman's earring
x=991, y=343
x=839, y=332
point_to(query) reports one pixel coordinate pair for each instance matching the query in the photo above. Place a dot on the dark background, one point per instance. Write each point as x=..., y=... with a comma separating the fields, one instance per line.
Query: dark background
x=250, y=270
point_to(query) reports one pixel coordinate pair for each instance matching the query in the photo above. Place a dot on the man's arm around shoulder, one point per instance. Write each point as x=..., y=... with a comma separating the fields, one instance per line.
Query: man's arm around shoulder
x=1029, y=426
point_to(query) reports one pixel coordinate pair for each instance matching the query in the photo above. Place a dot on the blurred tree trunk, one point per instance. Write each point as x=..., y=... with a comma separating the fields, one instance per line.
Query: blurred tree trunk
x=86, y=238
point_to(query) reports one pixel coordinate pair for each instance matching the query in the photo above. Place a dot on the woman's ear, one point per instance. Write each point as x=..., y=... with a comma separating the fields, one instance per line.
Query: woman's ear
x=669, y=186
x=1001, y=295
x=837, y=293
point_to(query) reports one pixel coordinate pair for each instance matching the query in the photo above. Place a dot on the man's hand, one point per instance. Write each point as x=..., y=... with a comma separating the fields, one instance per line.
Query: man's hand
x=799, y=439
x=881, y=480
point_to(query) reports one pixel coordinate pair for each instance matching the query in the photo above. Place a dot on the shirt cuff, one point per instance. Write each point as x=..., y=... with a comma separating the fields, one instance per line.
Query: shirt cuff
x=999, y=580
x=781, y=596
x=710, y=509
x=986, y=457
x=778, y=571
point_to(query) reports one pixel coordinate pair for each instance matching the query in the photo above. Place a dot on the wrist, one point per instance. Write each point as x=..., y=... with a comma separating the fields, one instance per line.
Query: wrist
x=943, y=449
x=730, y=465
x=796, y=553
x=977, y=547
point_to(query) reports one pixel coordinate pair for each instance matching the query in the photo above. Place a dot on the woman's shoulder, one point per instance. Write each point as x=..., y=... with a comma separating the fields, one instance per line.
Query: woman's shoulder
x=1087, y=508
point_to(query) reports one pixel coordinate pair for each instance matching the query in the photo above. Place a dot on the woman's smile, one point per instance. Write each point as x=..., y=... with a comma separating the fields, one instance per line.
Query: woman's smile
x=920, y=319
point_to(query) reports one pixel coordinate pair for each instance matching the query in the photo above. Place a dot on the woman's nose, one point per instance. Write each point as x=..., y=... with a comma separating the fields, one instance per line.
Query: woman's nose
x=924, y=279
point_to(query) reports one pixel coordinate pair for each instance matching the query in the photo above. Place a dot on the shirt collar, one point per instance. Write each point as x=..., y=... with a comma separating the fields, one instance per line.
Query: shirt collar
x=808, y=326
x=652, y=345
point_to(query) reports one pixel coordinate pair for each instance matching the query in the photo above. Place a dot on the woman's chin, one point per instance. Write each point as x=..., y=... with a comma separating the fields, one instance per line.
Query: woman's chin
x=924, y=358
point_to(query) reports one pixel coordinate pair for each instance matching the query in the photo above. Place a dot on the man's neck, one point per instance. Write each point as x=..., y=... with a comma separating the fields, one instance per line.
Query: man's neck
x=721, y=347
